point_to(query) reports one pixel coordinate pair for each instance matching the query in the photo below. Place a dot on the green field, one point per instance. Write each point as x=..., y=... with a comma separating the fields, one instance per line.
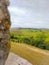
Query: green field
x=31, y=44
x=34, y=37
x=33, y=54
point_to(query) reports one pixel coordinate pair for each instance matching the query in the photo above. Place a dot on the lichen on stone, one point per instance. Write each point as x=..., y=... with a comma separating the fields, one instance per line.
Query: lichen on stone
x=4, y=30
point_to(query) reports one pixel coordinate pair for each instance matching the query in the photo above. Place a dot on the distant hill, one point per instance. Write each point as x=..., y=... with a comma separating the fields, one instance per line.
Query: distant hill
x=17, y=28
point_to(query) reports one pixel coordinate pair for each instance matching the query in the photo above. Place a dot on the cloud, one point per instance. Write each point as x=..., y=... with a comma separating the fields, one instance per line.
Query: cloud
x=29, y=13
x=17, y=10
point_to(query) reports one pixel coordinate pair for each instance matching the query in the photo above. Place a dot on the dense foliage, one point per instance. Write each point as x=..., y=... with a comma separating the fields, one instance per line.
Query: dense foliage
x=38, y=38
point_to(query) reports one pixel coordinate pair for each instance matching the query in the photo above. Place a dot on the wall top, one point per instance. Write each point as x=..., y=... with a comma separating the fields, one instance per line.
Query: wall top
x=5, y=2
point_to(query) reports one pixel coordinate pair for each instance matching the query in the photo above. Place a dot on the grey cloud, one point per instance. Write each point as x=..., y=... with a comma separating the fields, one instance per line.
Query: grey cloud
x=37, y=13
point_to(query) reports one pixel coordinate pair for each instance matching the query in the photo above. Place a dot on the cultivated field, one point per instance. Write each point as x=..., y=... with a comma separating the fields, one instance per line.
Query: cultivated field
x=34, y=55
x=34, y=37
x=31, y=44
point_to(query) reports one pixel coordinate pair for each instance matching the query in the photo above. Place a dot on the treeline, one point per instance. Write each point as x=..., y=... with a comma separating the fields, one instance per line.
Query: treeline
x=38, y=39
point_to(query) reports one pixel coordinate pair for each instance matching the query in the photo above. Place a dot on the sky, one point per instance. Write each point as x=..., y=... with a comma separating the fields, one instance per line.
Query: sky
x=29, y=13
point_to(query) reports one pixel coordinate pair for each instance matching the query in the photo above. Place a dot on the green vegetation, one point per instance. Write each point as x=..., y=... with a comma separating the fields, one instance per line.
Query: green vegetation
x=24, y=42
x=33, y=54
x=34, y=37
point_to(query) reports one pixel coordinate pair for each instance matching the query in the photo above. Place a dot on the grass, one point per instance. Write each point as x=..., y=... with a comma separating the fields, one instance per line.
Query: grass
x=34, y=55
x=36, y=37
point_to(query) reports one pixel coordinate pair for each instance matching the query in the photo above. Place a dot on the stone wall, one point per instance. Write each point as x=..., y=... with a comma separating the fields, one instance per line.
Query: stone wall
x=4, y=31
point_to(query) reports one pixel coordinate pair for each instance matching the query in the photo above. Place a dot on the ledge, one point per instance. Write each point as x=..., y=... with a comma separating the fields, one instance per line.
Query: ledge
x=14, y=59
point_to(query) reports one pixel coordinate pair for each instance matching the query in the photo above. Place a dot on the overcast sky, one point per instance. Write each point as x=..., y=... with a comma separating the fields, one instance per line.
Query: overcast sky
x=29, y=13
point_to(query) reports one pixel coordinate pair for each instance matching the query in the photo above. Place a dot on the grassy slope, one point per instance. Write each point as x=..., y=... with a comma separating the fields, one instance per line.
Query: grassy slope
x=34, y=55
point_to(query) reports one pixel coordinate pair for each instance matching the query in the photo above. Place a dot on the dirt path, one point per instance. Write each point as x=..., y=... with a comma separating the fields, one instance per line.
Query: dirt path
x=16, y=60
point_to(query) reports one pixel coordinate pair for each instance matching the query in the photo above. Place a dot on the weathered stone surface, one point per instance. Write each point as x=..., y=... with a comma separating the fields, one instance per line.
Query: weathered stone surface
x=14, y=59
x=4, y=31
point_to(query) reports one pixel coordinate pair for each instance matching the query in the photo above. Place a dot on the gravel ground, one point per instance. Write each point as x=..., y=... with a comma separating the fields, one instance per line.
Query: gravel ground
x=14, y=59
